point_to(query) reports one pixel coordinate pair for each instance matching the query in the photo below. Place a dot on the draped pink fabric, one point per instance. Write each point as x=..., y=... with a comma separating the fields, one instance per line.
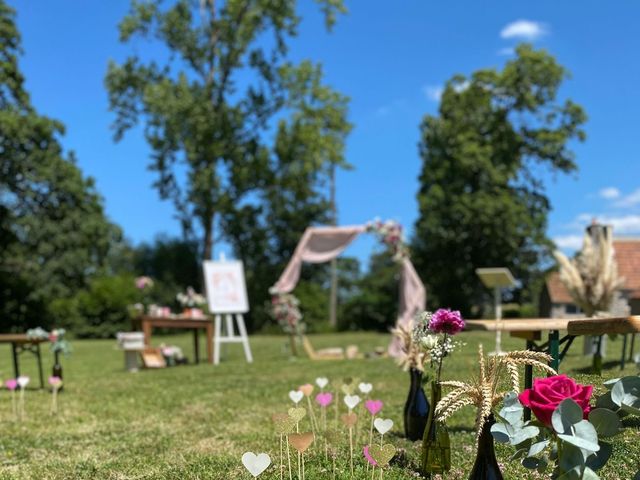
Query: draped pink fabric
x=322, y=244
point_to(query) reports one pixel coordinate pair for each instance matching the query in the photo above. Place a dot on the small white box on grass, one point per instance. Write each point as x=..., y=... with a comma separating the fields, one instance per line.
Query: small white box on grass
x=132, y=343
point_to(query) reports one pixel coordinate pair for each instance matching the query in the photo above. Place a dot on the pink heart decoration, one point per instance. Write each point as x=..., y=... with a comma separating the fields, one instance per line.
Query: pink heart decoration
x=324, y=398
x=11, y=384
x=374, y=406
x=369, y=457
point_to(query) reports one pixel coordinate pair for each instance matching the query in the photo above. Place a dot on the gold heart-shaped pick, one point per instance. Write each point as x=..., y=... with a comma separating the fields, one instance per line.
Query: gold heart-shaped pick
x=300, y=441
x=297, y=414
x=348, y=389
x=283, y=423
x=382, y=455
x=349, y=419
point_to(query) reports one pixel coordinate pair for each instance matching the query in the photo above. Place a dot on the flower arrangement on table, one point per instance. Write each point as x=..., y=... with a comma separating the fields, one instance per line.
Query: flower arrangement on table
x=143, y=285
x=391, y=234
x=58, y=344
x=191, y=301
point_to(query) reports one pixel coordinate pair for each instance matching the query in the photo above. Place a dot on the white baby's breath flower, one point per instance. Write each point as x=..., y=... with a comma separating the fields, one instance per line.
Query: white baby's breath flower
x=429, y=341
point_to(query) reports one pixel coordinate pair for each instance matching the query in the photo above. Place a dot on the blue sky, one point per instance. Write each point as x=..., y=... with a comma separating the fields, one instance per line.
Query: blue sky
x=391, y=58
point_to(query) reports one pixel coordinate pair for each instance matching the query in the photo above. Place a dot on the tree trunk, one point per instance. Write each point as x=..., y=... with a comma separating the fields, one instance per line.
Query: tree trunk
x=207, y=253
x=333, y=302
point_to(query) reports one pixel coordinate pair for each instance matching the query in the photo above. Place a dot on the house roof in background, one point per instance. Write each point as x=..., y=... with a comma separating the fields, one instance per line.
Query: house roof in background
x=557, y=291
x=628, y=259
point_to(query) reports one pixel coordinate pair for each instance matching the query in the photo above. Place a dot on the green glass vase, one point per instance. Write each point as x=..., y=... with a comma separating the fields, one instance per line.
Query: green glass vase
x=436, y=446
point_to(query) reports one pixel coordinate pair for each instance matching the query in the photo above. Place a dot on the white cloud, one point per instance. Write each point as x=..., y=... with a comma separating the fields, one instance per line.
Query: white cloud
x=609, y=193
x=569, y=242
x=384, y=110
x=622, y=224
x=506, y=52
x=525, y=29
x=630, y=200
x=433, y=92
x=625, y=225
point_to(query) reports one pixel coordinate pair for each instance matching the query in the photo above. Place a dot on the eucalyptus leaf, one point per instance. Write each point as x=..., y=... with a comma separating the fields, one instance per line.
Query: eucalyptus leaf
x=512, y=410
x=566, y=415
x=583, y=435
x=530, y=462
x=606, y=422
x=520, y=453
x=537, y=447
x=626, y=390
x=604, y=401
x=589, y=474
x=543, y=464
x=524, y=434
x=573, y=474
x=598, y=459
x=500, y=433
x=633, y=408
x=570, y=457
x=610, y=383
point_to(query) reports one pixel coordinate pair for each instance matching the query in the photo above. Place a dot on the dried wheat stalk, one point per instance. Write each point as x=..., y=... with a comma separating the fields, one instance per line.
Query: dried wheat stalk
x=491, y=386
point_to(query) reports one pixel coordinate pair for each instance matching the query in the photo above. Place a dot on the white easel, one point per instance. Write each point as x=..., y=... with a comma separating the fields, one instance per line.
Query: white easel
x=230, y=309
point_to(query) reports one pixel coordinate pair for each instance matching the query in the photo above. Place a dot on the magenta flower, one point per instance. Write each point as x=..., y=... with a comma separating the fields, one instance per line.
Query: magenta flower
x=11, y=384
x=446, y=321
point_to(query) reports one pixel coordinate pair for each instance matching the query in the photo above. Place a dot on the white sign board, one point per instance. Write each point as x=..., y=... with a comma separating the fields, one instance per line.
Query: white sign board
x=226, y=290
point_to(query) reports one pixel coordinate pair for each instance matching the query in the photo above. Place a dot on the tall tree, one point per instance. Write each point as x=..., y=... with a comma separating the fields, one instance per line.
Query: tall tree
x=309, y=142
x=53, y=230
x=481, y=198
x=206, y=107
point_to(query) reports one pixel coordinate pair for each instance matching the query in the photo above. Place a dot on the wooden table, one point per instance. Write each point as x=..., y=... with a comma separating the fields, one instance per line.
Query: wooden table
x=609, y=325
x=180, y=322
x=531, y=330
x=20, y=342
x=602, y=326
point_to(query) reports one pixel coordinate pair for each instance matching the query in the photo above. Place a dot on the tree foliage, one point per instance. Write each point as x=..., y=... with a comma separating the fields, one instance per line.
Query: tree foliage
x=207, y=106
x=481, y=198
x=309, y=142
x=53, y=231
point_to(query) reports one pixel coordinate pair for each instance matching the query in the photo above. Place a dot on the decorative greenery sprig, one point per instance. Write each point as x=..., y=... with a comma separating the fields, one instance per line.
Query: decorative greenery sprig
x=491, y=386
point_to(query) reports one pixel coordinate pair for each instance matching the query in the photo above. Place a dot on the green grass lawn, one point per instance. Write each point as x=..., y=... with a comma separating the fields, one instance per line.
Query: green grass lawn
x=194, y=422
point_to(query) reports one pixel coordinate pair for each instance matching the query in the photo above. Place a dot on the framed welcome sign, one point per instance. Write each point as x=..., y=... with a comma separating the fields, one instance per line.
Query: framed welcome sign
x=225, y=285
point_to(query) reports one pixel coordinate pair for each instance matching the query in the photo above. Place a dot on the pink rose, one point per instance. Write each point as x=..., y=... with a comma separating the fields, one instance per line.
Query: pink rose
x=548, y=393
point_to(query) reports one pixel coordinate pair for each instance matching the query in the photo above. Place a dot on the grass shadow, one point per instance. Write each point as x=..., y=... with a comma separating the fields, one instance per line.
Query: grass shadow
x=611, y=364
